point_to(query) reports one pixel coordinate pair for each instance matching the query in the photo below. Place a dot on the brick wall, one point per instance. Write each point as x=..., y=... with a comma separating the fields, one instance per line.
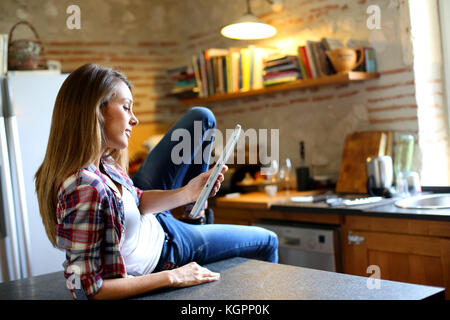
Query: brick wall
x=144, y=38
x=322, y=117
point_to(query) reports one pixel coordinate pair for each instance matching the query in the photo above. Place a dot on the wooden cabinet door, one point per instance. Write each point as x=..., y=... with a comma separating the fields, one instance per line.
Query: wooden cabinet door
x=398, y=257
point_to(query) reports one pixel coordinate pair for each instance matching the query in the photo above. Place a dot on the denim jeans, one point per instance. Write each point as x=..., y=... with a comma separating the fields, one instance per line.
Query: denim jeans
x=185, y=242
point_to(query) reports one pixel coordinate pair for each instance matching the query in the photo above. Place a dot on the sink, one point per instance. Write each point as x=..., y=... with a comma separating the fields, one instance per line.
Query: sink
x=431, y=201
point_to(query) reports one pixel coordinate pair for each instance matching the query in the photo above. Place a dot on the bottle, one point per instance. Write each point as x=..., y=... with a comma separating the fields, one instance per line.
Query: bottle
x=302, y=171
x=403, y=154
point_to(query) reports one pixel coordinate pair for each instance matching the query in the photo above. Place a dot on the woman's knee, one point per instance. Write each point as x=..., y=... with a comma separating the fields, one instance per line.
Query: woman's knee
x=202, y=114
x=273, y=240
x=267, y=244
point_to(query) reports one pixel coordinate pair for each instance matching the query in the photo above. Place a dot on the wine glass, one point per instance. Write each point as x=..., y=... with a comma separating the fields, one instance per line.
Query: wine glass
x=272, y=172
x=285, y=175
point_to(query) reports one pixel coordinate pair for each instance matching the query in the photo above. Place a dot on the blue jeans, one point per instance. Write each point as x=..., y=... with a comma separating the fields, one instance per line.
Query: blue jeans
x=185, y=242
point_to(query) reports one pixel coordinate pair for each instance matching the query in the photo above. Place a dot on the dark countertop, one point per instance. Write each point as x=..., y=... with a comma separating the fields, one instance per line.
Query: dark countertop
x=385, y=208
x=244, y=279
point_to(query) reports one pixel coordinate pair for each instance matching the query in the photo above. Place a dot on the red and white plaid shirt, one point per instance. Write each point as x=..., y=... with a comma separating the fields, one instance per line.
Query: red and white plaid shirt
x=90, y=226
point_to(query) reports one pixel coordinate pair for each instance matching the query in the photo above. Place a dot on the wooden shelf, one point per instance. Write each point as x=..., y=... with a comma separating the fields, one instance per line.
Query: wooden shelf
x=338, y=78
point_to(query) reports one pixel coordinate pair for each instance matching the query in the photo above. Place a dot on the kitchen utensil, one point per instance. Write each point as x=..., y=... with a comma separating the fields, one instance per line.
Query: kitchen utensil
x=303, y=179
x=358, y=147
x=302, y=154
x=379, y=176
x=25, y=54
x=345, y=59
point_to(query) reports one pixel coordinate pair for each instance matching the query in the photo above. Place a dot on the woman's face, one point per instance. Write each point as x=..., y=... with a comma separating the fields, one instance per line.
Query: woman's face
x=119, y=118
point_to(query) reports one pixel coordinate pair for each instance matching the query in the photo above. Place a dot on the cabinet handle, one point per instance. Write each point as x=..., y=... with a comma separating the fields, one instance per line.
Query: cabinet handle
x=354, y=239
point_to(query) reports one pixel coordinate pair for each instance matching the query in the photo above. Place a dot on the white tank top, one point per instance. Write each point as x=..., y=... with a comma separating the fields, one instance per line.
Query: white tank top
x=144, y=238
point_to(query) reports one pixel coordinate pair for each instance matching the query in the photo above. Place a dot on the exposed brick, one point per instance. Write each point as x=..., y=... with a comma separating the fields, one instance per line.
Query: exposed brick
x=390, y=86
x=322, y=98
x=391, y=120
x=396, y=71
x=298, y=100
x=348, y=94
x=399, y=96
x=391, y=108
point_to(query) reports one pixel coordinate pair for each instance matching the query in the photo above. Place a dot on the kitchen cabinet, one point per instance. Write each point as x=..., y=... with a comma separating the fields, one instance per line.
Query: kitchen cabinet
x=406, y=250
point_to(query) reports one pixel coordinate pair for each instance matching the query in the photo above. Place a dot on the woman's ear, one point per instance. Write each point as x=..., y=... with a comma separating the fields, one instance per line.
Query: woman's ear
x=103, y=106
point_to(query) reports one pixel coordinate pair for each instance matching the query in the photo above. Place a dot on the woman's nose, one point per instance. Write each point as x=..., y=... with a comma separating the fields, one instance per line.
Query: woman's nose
x=133, y=120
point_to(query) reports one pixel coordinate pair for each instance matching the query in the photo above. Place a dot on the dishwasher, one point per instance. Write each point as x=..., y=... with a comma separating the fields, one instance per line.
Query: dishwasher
x=315, y=246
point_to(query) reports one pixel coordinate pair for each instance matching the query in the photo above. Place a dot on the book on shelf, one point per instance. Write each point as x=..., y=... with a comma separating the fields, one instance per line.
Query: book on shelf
x=325, y=66
x=352, y=43
x=332, y=43
x=198, y=77
x=228, y=72
x=283, y=74
x=281, y=70
x=245, y=68
x=221, y=71
x=281, y=77
x=318, y=59
x=369, y=60
x=304, y=57
x=258, y=66
x=235, y=57
x=311, y=59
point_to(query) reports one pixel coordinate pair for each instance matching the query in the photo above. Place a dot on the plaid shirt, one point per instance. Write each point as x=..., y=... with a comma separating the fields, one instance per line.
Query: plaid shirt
x=90, y=227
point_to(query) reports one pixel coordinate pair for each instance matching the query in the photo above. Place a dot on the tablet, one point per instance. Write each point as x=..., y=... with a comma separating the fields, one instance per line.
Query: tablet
x=198, y=206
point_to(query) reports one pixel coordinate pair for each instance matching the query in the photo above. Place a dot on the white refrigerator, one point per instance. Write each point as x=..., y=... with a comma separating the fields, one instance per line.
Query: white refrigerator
x=27, y=100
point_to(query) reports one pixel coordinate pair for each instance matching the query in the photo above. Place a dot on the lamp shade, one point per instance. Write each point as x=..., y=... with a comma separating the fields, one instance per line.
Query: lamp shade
x=248, y=27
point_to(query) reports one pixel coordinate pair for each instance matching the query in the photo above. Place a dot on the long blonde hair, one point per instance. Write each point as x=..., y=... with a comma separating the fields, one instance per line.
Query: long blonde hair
x=76, y=134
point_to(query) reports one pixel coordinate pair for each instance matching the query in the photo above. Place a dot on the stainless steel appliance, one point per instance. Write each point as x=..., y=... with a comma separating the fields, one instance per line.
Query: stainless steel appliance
x=379, y=175
x=307, y=245
x=26, y=105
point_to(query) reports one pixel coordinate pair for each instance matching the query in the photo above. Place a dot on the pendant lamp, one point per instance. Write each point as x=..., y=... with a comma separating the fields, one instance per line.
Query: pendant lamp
x=248, y=27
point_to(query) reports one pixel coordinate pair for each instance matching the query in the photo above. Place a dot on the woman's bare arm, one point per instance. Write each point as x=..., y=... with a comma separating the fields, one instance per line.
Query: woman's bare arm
x=122, y=288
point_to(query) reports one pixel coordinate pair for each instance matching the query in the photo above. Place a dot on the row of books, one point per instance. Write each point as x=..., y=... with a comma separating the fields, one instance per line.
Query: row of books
x=184, y=84
x=313, y=60
x=220, y=71
x=314, y=63
x=281, y=70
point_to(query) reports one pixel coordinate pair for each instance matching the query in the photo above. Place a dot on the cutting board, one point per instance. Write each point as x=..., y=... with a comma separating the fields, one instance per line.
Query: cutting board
x=259, y=200
x=358, y=146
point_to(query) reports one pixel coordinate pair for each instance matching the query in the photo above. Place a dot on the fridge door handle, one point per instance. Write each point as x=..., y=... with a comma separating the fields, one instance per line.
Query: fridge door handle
x=7, y=205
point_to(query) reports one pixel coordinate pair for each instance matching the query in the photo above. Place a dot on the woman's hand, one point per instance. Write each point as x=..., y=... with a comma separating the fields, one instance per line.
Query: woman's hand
x=196, y=185
x=191, y=274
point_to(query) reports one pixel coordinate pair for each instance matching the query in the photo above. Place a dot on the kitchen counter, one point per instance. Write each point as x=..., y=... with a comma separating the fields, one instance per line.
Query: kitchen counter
x=245, y=279
x=385, y=208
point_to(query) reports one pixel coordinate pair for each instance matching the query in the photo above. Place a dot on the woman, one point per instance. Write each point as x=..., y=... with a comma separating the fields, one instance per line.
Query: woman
x=121, y=241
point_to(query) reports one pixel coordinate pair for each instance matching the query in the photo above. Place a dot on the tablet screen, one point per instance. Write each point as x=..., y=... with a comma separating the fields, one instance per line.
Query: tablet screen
x=204, y=194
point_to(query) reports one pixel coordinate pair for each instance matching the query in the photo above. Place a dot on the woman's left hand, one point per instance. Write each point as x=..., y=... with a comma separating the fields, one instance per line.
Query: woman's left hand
x=196, y=185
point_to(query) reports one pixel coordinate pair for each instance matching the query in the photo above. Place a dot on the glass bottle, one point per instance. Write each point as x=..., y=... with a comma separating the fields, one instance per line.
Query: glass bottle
x=403, y=154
